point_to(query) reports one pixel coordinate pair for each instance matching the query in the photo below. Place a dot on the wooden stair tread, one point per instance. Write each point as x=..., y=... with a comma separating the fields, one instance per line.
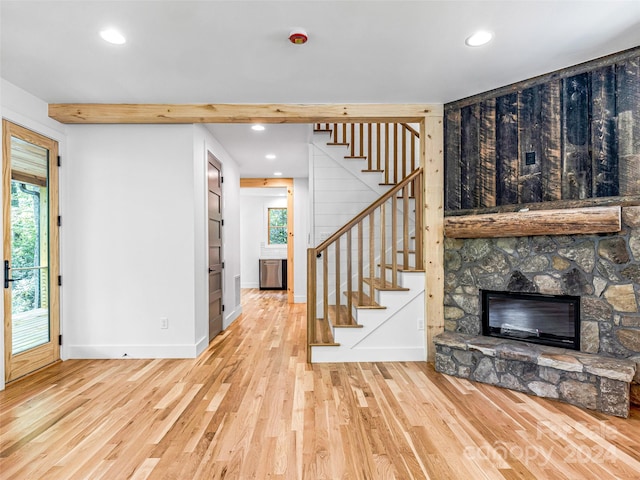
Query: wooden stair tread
x=374, y=171
x=408, y=251
x=322, y=130
x=402, y=269
x=355, y=157
x=323, y=334
x=342, y=144
x=346, y=319
x=366, y=302
x=380, y=284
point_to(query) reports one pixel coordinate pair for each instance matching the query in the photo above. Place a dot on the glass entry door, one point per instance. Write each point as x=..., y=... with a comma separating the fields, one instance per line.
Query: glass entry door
x=30, y=247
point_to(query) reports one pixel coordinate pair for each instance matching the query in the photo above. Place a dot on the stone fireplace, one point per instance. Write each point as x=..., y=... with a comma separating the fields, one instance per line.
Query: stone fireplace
x=602, y=270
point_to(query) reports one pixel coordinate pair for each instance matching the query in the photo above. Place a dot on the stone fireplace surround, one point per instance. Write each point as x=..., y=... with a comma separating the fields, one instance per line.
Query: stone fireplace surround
x=604, y=270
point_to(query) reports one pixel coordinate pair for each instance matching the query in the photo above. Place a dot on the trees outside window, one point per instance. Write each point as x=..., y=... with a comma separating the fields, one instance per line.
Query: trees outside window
x=277, y=226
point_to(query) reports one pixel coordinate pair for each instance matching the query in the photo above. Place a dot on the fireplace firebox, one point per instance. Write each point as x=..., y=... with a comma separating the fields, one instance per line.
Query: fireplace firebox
x=552, y=320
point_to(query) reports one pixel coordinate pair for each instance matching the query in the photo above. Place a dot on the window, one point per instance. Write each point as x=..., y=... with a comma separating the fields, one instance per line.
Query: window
x=277, y=226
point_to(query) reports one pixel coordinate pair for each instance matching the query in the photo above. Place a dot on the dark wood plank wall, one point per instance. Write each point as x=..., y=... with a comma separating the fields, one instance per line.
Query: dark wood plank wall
x=566, y=137
x=576, y=172
x=487, y=170
x=550, y=143
x=469, y=156
x=452, y=150
x=530, y=144
x=628, y=92
x=506, y=149
x=604, y=153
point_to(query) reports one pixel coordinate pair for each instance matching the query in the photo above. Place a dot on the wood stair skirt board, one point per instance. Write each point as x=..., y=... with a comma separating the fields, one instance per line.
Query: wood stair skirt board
x=570, y=221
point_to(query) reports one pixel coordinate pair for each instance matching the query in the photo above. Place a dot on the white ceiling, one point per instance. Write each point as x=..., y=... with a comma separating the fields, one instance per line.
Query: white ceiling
x=237, y=52
x=288, y=142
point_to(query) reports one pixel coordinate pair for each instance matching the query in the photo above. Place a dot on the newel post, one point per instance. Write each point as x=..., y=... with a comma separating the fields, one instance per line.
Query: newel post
x=432, y=161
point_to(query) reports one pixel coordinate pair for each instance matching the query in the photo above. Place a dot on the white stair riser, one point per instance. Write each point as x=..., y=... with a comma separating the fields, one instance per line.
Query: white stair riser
x=408, y=279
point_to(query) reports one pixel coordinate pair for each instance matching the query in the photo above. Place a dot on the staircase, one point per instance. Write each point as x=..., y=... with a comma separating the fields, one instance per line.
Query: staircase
x=388, y=149
x=365, y=298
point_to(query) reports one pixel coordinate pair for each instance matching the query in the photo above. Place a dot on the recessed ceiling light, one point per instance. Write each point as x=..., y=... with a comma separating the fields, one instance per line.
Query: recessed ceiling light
x=257, y=127
x=481, y=37
x=270, y=156
x=277, y=174
x=112, y=36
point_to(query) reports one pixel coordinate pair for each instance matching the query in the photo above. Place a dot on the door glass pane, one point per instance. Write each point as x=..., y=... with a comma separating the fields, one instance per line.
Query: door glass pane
x=29, y=246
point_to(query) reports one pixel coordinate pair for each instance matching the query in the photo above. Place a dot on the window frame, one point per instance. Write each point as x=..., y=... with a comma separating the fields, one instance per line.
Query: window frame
x=270, y=227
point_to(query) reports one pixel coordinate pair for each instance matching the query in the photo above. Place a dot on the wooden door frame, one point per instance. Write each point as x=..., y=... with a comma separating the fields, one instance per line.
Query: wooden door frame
x=429, y=116
x=49, y=352
x=288, y=184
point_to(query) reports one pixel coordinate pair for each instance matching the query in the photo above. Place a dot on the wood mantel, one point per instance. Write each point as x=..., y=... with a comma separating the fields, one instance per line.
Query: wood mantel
x=569, y=221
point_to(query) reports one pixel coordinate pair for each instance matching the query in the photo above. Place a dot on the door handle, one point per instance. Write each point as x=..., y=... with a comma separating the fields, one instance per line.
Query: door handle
x=6, y=274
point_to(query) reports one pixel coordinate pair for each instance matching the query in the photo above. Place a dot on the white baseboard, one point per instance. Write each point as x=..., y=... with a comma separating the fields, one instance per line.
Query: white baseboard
x=130, y=351
x=250, y=285
x=202, y=345
x=331, y=354
x=231, y=316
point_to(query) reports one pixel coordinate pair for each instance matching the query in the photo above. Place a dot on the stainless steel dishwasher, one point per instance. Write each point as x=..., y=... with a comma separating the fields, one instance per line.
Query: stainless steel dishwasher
x=273, y=274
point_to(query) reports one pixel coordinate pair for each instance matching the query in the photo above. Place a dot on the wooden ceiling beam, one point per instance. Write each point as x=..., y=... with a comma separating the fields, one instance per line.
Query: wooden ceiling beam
x=238, y=113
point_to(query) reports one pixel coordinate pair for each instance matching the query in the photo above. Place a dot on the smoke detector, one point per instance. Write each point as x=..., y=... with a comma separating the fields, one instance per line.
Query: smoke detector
x=298, y=36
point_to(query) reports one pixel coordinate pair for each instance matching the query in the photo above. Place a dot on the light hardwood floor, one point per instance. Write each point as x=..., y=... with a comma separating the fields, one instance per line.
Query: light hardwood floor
x=251, y=407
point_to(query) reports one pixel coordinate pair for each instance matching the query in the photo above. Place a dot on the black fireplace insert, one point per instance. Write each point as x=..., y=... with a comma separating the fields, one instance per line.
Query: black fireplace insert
x=530, y=317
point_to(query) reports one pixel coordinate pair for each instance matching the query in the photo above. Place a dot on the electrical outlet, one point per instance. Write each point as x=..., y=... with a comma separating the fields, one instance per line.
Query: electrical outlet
x=420, y=323
x=530, y=158
x=164, y=322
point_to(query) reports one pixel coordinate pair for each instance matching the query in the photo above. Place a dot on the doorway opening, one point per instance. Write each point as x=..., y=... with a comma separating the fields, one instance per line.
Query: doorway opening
x=279, y=188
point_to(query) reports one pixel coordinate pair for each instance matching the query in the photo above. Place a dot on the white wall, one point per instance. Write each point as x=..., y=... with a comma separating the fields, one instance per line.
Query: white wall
x=301, y=229
x=338, y=196
x=129, y=249
x=253, y=230
x=22, y=108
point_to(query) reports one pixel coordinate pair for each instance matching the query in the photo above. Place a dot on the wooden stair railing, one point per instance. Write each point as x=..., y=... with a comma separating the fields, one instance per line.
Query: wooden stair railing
x=383, y=233
x=389, y=148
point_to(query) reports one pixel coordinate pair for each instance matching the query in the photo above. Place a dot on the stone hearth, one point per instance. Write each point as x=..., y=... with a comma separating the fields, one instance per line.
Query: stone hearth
x=586, y=380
